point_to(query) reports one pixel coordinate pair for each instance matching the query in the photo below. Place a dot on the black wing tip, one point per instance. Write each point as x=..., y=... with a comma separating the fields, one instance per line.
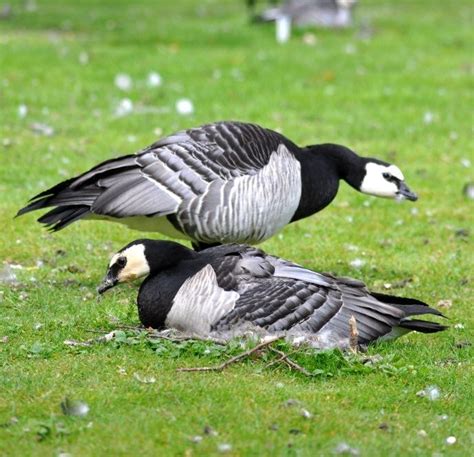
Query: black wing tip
x=421, y=326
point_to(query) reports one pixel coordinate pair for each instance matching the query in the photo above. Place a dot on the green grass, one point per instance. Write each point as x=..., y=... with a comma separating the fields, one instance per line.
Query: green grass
x=370, y=94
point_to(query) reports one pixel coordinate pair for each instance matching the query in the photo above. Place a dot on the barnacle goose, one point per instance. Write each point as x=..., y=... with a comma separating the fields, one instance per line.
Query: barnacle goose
x=226, y=287
x=218, y=183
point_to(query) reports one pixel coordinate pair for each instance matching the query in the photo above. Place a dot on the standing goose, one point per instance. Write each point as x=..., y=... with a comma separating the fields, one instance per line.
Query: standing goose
x=226, y=287
x=218, y=183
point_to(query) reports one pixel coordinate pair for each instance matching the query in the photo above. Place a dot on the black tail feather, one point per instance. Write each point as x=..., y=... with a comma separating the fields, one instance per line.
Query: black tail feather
x=422, y=326
x=62, y=216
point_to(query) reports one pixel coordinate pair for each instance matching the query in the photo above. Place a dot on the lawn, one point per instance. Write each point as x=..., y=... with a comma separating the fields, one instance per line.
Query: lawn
x=397, y=86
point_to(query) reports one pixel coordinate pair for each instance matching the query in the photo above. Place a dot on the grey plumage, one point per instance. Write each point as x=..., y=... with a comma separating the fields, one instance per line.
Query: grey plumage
x=227, y=288
x=208, y=178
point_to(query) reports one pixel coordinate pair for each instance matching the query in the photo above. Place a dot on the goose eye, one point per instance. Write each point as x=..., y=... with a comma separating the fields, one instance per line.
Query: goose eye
x=121, y=261
x=386, y=175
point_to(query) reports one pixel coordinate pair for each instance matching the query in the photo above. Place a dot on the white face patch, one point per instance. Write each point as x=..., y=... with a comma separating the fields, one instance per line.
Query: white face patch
x=136, y=266
x=374, y=182
x=395, y=171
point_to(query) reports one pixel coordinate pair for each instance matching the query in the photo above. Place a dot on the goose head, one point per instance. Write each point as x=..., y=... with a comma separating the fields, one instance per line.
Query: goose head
x=367, y=175
x=382, y=179
x=141, y=258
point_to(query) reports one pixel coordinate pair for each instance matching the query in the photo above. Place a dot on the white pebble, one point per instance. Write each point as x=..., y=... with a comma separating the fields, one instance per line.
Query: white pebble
x=431, y=393
x=154, y=79
x=422, y=433
x=123, y=81
x=451, y=440
x=428, y=117
x=357, y=263
x=124, y=107
x=83, y=58
x=459, y=326
x=224, y=447
x=22, y=111
x=184, y=106
x=306, y=414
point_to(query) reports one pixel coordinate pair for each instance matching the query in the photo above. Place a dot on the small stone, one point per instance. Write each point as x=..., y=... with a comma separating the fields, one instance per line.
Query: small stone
x=450, y=440
x=22, y=111
x=42, y=129
x=224, y=447
x=38, y=326
x=446, y=304
x=357, y=263
x=4, y=339
x=431, y=393
x=123, y=81
x=468, y=190
x=124, y=107
x=345, y=449
x=7, y=275
x=383, y=426
x=462, y=233
x=310, y=39
x=295, y=431
x=154, y=79
x=74, y=407
x=306, y=414
x=196, y=439
x=422, y=433
x=208, y=430
x=428, y=117
x=184, y=106
x=72, y=268
x=83, y=58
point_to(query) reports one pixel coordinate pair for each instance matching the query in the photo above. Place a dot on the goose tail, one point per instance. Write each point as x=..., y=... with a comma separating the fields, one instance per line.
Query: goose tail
x=73, y=198
x=412, y=307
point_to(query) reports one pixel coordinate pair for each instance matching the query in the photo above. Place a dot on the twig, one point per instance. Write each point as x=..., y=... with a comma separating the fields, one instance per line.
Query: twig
x=353, y=335
x=179, y=339
x=101, y=339
x=236, y=358
x=290, y=363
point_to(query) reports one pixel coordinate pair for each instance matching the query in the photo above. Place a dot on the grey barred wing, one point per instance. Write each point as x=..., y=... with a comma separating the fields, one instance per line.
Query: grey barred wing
x=236, y=147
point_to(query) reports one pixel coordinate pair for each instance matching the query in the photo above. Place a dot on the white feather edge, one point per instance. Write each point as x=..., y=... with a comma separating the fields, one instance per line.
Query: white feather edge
x=199, y=303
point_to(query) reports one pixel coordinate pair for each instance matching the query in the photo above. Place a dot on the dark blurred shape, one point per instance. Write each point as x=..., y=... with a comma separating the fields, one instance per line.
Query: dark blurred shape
x=321, y=13
x=468, y=190
x=5, y=11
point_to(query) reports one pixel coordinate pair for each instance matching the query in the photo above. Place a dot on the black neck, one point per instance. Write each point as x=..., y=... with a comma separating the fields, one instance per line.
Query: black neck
x=162, y=255
x=322, y=166
x=157, y=292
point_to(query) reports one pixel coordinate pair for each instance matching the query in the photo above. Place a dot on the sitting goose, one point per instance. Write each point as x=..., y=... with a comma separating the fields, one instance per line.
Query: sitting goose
x=226, y=287
x=218, y=183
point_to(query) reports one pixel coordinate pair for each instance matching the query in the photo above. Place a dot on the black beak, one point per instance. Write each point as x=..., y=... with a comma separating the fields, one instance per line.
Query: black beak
x=107, y=283
x=405, y=192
